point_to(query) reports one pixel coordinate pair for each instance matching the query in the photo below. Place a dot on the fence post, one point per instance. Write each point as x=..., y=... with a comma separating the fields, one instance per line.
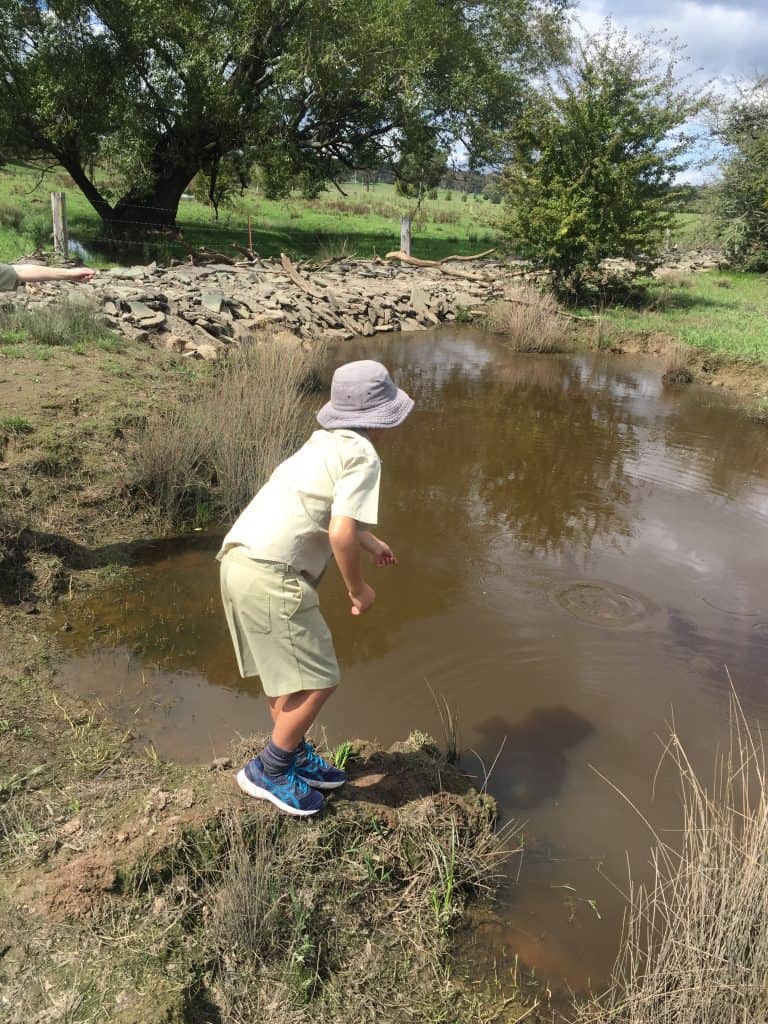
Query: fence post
x=405, y=235
x=60, y=229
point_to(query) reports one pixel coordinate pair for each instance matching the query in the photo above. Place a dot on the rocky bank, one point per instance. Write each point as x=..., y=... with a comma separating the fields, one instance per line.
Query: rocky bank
x=202, y=310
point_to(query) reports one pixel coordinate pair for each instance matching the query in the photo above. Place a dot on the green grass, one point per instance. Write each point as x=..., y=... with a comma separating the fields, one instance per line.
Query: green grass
x=723, y=313
x=362, y=222
x=15, y=425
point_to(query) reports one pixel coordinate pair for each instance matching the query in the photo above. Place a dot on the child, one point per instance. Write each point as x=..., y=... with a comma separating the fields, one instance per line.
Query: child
x=315, y=506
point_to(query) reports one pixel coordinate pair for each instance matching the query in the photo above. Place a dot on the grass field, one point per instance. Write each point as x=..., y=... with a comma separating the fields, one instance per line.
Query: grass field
x=725, y=313
x=362, y=222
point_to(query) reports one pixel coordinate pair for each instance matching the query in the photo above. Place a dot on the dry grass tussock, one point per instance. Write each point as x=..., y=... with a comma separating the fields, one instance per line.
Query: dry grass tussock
x=204, y=457
x=350, y=923
x=695, y=947
x=530, y=320
x=677, y=370
x=70, y=322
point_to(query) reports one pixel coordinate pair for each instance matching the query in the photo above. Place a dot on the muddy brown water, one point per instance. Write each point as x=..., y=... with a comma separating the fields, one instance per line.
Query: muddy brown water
x=582, y=552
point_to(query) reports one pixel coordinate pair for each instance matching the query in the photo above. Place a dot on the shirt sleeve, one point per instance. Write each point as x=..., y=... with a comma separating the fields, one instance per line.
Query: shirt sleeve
x=9, y=280
x=356, y=493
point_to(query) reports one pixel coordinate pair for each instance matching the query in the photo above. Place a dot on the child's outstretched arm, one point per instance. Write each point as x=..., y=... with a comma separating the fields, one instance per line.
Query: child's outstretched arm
x=380, y=551
x=345, y=544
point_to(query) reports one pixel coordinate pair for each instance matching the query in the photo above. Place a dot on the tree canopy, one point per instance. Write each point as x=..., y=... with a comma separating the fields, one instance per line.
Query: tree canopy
x=742, y=194
x=591, y=165
x=133, y=97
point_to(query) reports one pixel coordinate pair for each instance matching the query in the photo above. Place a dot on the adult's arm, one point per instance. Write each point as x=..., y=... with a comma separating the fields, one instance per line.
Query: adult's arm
x=27, y=273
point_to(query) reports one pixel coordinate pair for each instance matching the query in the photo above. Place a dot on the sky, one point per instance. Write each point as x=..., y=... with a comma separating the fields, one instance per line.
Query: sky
x=726, y=42
x=727, y=39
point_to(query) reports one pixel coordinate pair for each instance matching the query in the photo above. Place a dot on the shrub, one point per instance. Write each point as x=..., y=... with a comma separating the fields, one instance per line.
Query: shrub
x=593, y=161
x=530, y=320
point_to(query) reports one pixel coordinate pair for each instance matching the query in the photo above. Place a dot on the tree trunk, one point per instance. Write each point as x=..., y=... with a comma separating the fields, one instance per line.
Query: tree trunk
x=148, y=210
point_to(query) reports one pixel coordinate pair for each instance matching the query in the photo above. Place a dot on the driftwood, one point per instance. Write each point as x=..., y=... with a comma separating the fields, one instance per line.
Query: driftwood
x=250, y=254
x=440, y=265
x=205, y=255
x=299, y=281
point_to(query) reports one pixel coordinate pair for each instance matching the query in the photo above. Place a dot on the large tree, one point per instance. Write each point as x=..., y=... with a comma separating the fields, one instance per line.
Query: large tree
x=133, y=97
x=742, y=194
x=592, y=165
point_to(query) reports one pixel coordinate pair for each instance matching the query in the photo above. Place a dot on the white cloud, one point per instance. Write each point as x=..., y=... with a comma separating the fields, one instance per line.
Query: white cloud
x=726, y=40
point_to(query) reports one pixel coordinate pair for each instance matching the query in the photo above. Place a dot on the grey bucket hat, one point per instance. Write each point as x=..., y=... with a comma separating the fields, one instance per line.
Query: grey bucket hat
x=363, y=395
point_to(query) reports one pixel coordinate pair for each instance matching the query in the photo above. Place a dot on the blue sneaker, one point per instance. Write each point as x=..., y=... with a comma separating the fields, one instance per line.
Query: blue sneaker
x=315, y=770
x=289, y=792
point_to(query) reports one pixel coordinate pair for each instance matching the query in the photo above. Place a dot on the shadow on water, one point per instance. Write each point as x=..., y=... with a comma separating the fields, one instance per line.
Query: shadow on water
x=530, y=754
x=17, y=576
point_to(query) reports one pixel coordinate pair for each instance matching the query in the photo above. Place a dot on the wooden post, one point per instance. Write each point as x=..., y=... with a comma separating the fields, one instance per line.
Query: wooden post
x=405, y=235
x=60, y=230
x=250, y=234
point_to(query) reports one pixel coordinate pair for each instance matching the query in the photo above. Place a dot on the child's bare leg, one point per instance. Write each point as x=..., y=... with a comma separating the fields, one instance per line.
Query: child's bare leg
x=294, y=713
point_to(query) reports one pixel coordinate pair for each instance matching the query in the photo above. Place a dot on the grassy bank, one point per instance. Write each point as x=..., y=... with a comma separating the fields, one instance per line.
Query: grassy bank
x=719, y=313
x=363, y=221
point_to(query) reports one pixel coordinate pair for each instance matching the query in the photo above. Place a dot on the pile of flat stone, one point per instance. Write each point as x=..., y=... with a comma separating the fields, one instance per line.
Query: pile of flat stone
x=200, y=311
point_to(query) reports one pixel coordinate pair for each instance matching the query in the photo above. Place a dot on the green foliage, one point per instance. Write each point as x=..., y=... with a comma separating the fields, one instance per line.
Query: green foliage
x=743, y=191
x=592, y=162
x=134, y=98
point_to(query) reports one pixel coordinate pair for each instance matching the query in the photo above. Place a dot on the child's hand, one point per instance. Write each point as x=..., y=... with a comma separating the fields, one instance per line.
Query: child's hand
x=384, y=555
x=362, y=600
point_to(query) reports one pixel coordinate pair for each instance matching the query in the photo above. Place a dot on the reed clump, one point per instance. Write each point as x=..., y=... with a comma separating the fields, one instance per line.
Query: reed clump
x=530, y=319
x=677, y=369
x=695, y=946
x=205, y=457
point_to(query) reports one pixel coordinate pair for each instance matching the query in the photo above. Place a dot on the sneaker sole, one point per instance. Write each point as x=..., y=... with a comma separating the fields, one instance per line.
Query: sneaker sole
x=264, y=794
x=316, y=784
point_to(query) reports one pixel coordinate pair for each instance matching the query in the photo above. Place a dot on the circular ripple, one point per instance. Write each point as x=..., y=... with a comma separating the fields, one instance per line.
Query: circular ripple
x=603, y=604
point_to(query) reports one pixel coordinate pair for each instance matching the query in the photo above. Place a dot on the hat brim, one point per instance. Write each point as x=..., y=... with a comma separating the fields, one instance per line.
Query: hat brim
x=388, y=414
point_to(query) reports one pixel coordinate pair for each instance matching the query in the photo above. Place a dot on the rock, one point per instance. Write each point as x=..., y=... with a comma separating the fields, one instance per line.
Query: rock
x=419, y=300
x=212, y=300
x=110, y=308
x=185, y=798
x=207, y=352
x=219, y=764
x=127, y=273
x=173, y=343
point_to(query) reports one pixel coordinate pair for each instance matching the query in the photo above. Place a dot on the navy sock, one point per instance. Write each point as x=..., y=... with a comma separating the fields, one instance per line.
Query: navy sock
x=276, y=761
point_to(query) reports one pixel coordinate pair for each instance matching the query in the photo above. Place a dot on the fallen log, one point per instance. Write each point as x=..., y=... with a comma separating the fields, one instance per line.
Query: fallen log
x=414, y=261
x=299, y=281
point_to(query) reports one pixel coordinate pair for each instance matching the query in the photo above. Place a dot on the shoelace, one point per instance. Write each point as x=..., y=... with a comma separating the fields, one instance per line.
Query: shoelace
x=297, y=781
x=312, y=758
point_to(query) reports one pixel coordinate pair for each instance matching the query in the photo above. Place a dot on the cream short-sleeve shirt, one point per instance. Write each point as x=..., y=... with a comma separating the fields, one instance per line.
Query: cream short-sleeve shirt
x=337, y=472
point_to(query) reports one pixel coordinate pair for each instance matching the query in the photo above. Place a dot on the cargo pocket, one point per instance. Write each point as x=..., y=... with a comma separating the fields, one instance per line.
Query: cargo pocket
x=252, y=601
x=300, y=595
x=293, y=595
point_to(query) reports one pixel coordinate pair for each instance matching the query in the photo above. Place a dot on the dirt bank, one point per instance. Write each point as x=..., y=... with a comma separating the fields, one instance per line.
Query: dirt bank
x=137, y=891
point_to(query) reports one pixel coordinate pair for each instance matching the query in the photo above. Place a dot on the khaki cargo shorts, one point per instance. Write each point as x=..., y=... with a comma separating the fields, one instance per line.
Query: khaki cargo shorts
x=276, y=625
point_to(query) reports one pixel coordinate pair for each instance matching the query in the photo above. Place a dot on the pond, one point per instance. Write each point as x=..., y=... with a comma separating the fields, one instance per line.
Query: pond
x=582, y=553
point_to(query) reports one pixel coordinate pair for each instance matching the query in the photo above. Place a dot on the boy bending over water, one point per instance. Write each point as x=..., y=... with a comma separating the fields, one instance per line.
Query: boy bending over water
x=318, y=504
